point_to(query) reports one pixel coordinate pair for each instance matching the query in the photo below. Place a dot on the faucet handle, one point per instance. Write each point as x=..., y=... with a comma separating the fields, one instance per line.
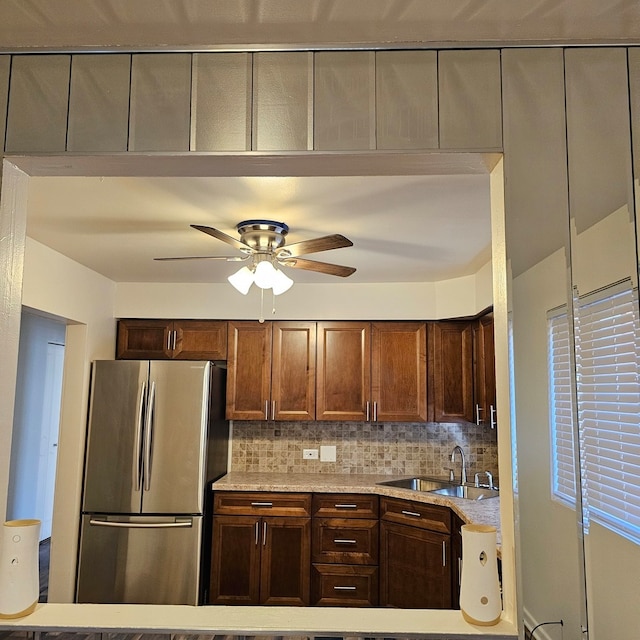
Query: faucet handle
x=451, y=474
x=489, y=479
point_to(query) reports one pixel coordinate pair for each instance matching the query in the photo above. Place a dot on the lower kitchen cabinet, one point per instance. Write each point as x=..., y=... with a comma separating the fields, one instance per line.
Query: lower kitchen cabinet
x=260, y=559
x=415, y=555
x=344, y=550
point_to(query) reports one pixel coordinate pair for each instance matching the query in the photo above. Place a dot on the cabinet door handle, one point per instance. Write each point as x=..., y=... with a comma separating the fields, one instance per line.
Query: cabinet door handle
x=346, y=506
x=175, y=333
x=444, y=553
x=411, y=513
x=273, y=410
x=262, y=504
x=493, y=417
x=478, y=410
x=344, y=541
x=367, y=412
x=375, y=411
x=266, y=409
x=169, y=333
x=345, y=588
x=264, y=534
x=257, y=532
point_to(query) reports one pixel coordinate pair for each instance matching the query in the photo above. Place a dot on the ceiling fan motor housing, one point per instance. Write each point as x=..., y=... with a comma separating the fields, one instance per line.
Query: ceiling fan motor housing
x=262, y=235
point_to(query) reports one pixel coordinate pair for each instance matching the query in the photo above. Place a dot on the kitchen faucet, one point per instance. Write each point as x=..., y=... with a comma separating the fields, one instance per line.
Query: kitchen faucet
x=463, y=468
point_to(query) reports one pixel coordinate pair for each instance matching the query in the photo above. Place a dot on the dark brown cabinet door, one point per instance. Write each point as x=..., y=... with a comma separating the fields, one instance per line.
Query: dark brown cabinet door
x=484, y=371
x=171, y=339
x=414, y=567
x=144, y=339
x=286, y=561
x=248, y=370
x=258, y=560
x=200, y=340
x=343, y=371
x=293, y=371
x=235, y=560
x=450, y=371
x=399, y=371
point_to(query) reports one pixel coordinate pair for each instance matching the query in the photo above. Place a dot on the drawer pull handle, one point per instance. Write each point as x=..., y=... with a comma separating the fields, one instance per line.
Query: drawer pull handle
x=262, y=504
x=411, y=513
x=344, y=541
x=345, y=506
x=344, y=588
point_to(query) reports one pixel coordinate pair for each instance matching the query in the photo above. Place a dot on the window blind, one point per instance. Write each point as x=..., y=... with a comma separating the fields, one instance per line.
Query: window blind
x=563, y=484
x=608, y=392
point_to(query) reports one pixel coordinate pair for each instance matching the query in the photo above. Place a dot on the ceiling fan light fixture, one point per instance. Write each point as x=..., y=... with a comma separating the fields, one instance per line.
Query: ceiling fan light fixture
x=281, y=282
x=264, y=274
x=242, y=280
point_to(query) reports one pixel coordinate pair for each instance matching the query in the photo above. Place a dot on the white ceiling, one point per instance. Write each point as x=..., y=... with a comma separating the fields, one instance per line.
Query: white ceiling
x=411, y=228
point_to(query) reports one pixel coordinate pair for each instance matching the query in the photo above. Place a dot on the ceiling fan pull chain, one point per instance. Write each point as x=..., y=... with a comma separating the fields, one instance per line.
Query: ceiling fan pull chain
x=261, y=318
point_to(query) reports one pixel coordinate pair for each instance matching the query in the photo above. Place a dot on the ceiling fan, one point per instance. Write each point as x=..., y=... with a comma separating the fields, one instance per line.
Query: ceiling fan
x=264, y=241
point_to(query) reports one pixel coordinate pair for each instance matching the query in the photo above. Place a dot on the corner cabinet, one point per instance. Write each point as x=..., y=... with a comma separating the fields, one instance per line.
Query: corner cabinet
x=451, y=371
x=171, y=339
x=271, y=370
x=260, y=552
x=372, y=371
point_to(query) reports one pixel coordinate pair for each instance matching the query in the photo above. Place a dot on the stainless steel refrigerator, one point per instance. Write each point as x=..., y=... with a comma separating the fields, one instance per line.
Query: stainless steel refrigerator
x=156, y=437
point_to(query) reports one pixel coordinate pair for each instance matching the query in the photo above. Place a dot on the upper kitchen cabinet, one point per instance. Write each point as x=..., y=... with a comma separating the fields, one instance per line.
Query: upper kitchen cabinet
x=38, y=125
x=221, y=102
x=282, y=101
x=168, y=339
x=344, y=371
x=160, y=118
x=451, y=371
x=470, y=99
x=484, y=369
x=407, y=100
x=271, y=371
x=99, y=103
x=399, y=371
x=344, y=109
x=372, y=371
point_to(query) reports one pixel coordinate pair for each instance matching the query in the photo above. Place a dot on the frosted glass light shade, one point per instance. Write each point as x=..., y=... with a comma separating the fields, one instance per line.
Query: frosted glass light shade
x=480, y=600
x=264, y=275
x=242, y=280
x=19, y=571
x=281, y=282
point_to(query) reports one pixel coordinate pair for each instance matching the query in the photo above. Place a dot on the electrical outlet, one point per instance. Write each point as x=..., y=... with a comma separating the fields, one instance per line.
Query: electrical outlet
x=328, y=453
x=310, y=454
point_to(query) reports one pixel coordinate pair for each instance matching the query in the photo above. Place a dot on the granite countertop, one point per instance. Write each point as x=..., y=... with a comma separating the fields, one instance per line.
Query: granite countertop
x=469, y=511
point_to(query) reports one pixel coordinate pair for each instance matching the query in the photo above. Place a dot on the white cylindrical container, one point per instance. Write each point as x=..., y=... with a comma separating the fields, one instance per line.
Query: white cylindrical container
x=19, y=571
x=480, y=600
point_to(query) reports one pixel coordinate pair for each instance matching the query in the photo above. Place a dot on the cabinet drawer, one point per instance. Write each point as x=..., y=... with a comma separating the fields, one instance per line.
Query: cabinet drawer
x=344, y=586
x=345, y=505
x=344, y=541
x=416, y=514
x=259, y=503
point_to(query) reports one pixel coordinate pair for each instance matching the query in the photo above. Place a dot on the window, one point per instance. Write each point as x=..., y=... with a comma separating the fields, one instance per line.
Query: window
x=607, y=332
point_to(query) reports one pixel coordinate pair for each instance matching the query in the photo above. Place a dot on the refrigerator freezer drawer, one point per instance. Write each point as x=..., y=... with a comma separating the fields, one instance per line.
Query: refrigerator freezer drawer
x=139, y=559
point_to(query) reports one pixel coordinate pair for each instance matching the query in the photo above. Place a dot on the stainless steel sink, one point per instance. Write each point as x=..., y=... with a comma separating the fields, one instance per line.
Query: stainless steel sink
x=466, y=492
x=442, y=488
x=417, y=484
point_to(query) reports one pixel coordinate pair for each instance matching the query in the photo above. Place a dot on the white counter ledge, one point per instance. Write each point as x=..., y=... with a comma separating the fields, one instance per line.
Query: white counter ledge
x=470, y=511
x=259, y=621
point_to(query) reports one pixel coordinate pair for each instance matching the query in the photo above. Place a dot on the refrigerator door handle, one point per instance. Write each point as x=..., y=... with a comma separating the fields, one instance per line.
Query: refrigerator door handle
x=138, y=437
x=149, y=437
x=177, y=524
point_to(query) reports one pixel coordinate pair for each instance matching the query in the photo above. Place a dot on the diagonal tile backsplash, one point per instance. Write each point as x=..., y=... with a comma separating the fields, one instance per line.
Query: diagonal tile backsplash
x=387, y=448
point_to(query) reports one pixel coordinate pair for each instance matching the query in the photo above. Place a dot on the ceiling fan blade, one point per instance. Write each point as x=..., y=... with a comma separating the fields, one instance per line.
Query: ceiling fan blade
x=321, y=267
x=325, y=243
x=222, y=236
x=227, y=258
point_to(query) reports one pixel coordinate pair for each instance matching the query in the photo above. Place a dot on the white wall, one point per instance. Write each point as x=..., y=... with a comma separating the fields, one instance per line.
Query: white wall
x=343, y=301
